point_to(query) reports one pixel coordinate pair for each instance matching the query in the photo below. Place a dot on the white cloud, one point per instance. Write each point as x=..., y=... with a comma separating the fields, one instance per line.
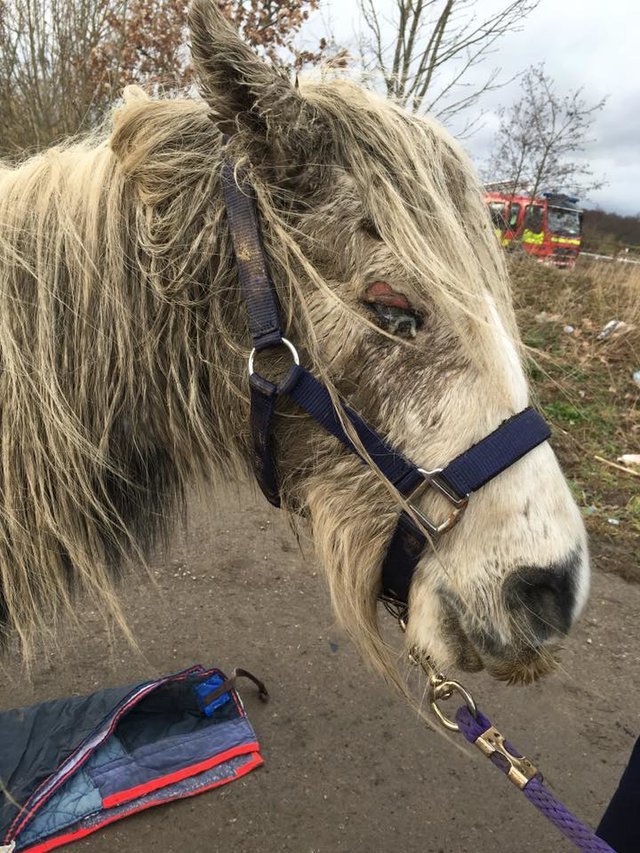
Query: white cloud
x=584, y=43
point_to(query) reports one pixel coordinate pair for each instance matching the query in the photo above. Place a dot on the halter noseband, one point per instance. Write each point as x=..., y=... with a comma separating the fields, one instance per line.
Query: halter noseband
x=465, y=474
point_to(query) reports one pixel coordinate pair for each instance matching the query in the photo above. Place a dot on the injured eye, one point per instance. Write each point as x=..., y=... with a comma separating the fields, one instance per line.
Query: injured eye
x=392, y=310
x=404, y=324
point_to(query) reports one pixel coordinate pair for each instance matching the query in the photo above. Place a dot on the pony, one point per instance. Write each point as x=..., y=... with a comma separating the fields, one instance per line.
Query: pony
x=124, y=340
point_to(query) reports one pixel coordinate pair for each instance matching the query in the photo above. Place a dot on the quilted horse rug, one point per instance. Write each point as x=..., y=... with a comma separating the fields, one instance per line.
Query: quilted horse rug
x=70, y=766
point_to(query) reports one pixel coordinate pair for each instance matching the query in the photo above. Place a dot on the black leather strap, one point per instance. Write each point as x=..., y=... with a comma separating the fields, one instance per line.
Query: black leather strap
x=264, y=396
x=400, y=562
x=257, y=289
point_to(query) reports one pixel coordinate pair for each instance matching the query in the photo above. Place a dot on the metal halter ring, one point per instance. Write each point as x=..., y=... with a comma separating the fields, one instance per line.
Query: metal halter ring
x=441, y=688
x=433, y=481
x=445, y=690
x=289, y=346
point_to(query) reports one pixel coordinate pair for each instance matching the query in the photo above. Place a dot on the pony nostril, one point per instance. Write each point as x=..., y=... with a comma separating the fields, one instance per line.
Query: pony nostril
x=544, y=598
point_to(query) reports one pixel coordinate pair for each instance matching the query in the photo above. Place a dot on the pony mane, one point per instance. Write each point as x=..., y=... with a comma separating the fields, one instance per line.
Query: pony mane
x=103, y=415
x=119, y=304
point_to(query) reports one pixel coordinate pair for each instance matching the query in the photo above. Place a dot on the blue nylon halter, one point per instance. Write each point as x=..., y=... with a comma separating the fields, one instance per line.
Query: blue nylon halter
x=465, y=474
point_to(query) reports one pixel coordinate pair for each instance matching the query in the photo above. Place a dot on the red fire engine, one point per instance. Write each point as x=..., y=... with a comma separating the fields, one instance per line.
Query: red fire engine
x=547, y=226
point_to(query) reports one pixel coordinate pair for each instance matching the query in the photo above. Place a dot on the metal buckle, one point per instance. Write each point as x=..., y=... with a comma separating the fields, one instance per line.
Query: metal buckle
x=432, y=481
x=519, y=769
x=398, y=609
x=289, y=346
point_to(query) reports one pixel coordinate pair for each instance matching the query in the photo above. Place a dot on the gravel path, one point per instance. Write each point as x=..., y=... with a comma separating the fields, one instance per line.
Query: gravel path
x=348, y=767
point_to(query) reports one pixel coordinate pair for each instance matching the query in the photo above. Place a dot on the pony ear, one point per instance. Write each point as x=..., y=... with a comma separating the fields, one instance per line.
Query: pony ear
x=242, y=90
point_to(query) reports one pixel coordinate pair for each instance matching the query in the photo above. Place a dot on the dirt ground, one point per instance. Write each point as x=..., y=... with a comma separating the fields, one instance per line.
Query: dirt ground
x=348, y=767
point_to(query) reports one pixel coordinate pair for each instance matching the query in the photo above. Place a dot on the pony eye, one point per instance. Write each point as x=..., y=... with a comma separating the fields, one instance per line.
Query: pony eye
x=402, y=322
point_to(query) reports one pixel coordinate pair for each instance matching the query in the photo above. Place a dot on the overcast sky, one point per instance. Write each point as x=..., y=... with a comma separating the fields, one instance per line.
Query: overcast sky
x=590, y=43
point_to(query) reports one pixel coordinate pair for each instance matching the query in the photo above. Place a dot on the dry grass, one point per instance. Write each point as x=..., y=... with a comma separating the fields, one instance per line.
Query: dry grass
x=584, y=384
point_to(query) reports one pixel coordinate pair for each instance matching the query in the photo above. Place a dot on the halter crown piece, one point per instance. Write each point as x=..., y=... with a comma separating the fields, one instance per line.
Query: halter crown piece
x=463, y=475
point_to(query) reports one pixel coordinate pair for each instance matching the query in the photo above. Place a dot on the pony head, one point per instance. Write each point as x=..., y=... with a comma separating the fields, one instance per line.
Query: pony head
x=124, y=340
x=407, y=311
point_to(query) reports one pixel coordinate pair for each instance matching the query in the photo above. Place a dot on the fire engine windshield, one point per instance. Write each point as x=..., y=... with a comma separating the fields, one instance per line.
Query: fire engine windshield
x=496, y=209
x=561, y=220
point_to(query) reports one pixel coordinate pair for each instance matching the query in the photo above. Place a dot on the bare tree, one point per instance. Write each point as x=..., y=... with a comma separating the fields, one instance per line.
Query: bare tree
x=540, y=136
x=63, y=62
x=272, y=27
x=435, y=45
x=45, y=57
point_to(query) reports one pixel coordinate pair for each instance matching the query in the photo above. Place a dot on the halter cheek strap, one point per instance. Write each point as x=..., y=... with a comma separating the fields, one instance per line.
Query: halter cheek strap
x=456, y=482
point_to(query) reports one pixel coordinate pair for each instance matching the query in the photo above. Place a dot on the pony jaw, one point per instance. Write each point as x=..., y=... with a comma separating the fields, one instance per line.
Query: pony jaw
x=460, y=639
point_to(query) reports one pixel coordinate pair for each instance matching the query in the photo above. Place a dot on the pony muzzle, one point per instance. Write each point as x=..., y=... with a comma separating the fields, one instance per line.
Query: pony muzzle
x=543, y=601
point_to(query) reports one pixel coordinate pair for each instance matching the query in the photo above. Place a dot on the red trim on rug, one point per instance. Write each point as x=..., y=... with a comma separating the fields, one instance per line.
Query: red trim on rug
x=67, y=838
x=160, y=781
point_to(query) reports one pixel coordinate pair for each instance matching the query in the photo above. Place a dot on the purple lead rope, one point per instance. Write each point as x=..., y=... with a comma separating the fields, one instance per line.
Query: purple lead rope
x=534, y=790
